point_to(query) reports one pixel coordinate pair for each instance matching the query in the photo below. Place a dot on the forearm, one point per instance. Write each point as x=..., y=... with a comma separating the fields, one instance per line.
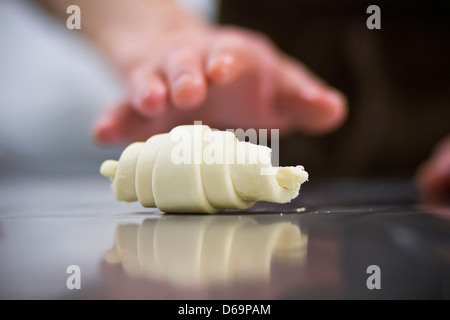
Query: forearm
x=119, y=26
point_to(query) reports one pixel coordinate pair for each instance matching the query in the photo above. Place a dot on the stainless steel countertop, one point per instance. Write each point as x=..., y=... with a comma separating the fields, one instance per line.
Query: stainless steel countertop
x=320, y=246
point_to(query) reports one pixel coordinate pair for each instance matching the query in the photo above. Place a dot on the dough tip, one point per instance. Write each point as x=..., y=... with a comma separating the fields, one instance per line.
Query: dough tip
x=108, y=168
x=291, y=177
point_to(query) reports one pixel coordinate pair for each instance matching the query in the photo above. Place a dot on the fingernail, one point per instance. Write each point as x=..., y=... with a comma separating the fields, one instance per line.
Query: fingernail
x=220, y=67
x=310, y=92
x=152, y=103
x=336, y=97
x=181, y=80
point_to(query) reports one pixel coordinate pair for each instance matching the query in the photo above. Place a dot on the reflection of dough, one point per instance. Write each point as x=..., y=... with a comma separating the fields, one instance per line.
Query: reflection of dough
x=203, y=250
x=221, y=172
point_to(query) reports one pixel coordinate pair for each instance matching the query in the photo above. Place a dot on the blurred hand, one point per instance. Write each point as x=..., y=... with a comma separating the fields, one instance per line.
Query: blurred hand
x=224, y=76
x=433, y=176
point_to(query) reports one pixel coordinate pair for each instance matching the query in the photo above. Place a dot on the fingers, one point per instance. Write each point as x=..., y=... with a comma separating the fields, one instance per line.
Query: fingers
x=123, y=123
x=179, y=79
x=433, y=177
x=314, y=107
x=230, y=56
x=183, y=68
x=111, y=126
x=148, y=93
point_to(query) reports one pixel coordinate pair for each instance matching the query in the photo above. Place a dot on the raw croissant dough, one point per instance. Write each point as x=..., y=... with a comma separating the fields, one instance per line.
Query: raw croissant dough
x=195, y=169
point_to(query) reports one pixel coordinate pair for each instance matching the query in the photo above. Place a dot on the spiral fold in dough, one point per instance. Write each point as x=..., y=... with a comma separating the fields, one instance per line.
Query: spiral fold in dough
x=195, y=169
x=187, y=250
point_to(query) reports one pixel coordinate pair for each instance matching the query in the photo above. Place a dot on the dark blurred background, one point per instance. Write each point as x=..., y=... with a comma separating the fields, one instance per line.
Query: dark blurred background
x=397, y=79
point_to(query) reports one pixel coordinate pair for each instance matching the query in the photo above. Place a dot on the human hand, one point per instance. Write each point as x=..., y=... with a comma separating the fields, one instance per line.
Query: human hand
x=224, y=76
x=433, y=176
